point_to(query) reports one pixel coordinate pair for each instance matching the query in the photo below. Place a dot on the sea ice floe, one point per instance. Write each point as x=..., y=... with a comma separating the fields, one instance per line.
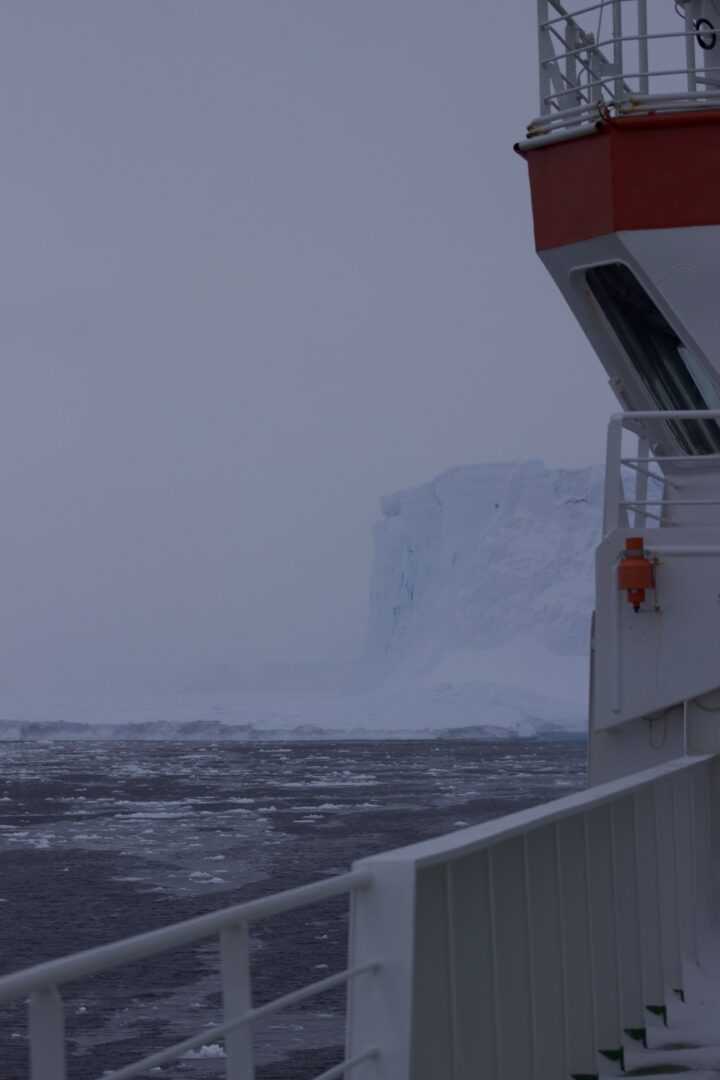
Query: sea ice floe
x=212, y=1050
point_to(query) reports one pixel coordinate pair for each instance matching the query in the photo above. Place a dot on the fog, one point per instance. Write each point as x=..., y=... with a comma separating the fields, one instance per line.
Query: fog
x=262, y=262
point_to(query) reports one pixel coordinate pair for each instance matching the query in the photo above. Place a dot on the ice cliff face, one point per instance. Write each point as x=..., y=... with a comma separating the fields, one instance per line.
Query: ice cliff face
x=482, y=585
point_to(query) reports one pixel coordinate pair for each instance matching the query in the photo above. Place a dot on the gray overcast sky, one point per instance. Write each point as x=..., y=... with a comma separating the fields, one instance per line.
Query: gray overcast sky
x=262, y=261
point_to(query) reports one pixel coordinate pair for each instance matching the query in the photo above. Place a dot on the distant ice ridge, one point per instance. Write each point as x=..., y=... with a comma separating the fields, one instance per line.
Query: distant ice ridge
x=481, y=598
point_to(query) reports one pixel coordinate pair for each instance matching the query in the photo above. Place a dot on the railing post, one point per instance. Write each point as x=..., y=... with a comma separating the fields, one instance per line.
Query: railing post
x=514, y=983
x=648, y=898
x=545, y=52
x=690, y=51
x=602, y=887
x=613, y=477
x=237, y=999
x=640, y=518
x=627, y=917
x=576, y=943
x=642, y=22
x=684, y=865
x=670, y=936
x=572, y=41
x=47, y=1035
x=381, y=1004
x=619, y=87
x=547, y=967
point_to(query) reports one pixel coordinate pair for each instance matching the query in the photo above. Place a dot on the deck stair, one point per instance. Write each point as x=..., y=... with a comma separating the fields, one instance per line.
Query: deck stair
x=688, y=1040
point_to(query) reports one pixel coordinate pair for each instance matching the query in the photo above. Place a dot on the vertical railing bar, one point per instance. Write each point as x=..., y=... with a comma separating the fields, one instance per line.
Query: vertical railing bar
x=452, y=971
x=614, y=893
x=595, y=84
x=679, y=929
x=591, y=948
x=658, y=883
x=636, y=863
x=710, y=876
x=615, y=643
x=643, y=56
x=613, y=476
x=572, y=66
x=690, y=52
x=641, y=482
x=531, y=959
x=47, y=1035
x=619, y=89
x=661, y=886
x=494, y=961
x=237, y=1000
x=563, y=950
x=544, y=53
x=694, y=899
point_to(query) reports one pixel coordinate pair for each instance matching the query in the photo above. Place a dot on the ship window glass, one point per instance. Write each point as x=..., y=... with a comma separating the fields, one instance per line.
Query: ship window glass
x=676, y=377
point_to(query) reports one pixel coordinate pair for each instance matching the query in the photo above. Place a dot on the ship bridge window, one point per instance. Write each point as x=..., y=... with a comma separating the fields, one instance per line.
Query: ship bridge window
x=675, y=376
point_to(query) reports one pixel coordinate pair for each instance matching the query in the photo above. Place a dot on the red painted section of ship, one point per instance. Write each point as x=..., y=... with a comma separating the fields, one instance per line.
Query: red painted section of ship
x=638, y=172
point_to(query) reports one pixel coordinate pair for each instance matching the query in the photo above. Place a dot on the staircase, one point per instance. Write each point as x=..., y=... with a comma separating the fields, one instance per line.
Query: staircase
x=686, y=1037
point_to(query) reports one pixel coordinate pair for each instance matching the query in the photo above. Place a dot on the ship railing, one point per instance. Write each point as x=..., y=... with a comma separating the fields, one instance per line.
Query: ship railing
x=42, y=985
x=617, y=57
x=534, y=945
x=525, y=946
x=647, y=490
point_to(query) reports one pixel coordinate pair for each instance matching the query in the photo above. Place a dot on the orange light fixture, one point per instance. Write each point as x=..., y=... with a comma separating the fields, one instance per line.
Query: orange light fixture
x=636, y=573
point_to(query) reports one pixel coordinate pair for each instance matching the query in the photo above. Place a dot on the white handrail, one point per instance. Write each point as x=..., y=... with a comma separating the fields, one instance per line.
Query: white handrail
x=637, y=61
x=104, y=957
x=211, y=1035
x=537, y=939
x=470, y=841
x=618, y=502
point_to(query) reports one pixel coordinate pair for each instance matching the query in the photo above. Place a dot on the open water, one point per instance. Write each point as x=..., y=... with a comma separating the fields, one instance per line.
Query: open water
x=101, y=840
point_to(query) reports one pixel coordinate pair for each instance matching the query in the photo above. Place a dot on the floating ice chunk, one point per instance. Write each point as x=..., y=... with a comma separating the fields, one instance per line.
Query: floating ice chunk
x=212, y=1050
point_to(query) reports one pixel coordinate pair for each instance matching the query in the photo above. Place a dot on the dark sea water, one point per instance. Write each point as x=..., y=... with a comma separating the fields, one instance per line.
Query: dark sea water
x=101, y=840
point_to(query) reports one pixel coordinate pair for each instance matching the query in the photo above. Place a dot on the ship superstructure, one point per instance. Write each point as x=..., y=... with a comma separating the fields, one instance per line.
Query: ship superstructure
x=578, y=939
x=624, y=164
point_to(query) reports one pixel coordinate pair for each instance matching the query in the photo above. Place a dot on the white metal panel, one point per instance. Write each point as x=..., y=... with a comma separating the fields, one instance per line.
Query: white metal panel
x=513, y=976
x=382, y=928
x=648, y=890
x=648, y=661
x=432, y=992
x=706, y=866
x=603, y=931
x=668, y=885
x=472, y=965
x=548, y=971
x=685, y=865
x=632, y=1003
x=577, y=954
